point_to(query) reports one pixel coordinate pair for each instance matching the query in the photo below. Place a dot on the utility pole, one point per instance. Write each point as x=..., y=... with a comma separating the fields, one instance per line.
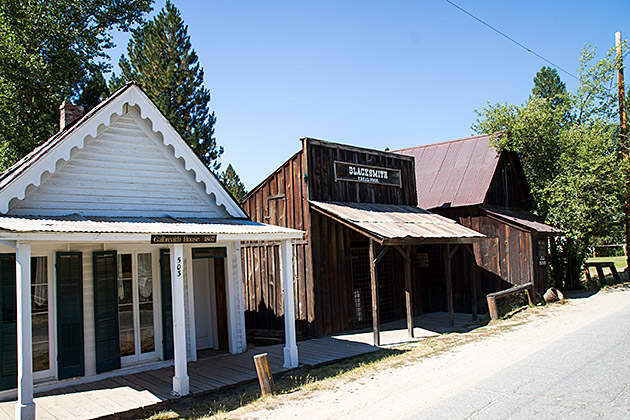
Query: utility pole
x=623, y=134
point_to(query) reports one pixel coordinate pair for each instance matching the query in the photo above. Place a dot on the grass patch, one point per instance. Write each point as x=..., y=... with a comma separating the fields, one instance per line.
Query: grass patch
x=620, y=262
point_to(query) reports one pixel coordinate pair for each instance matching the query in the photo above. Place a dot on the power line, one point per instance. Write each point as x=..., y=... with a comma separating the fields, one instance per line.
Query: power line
x=512, y=39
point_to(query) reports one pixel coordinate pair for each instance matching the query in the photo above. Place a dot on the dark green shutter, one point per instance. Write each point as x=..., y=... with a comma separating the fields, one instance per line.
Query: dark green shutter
x=69, y=315
x=106, y=311
x=167, y=304
x=8, y=323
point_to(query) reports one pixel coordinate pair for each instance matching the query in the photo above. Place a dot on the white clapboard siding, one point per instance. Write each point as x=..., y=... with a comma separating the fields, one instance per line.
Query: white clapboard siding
x=125, y=171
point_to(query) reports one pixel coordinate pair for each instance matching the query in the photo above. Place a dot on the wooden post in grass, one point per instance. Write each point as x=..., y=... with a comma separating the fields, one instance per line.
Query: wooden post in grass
x=267, y=387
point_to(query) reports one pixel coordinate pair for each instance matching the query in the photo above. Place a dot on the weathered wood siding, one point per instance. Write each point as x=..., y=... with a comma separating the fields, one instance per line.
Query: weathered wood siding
x=323, y=187
x=509, y=188
x=508, y=258
x=278, y=200
x=122, y=172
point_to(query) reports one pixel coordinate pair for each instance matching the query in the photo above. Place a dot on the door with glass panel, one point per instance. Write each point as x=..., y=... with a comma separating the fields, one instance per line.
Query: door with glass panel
x=136, y=306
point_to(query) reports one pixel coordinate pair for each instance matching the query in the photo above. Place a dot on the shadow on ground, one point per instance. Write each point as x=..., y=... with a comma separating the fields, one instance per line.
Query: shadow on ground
x=231, y=399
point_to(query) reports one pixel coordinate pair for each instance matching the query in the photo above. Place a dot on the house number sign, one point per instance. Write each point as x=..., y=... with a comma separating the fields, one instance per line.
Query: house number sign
x=183, y=239
x=345, y=171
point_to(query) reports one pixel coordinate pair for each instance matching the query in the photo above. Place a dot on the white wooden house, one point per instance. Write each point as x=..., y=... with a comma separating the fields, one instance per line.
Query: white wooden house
x=120, y=250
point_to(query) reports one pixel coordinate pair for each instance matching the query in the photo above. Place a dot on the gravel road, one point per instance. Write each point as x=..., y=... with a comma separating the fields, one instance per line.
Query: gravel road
x=567, y=361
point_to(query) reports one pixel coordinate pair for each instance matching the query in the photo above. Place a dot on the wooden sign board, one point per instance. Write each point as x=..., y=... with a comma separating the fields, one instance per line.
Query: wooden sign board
x=183, y=239
x=345, y=171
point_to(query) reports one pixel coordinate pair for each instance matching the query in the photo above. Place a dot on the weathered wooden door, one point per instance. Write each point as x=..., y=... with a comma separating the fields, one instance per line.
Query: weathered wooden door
x=167, y=305
x=106, y=311
x=8, y=323
x=69, y=315
x=222, y=307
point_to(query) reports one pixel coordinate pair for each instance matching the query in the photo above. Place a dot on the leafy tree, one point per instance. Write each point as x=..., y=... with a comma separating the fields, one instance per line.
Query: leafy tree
x=162, y=61
x=232, y=183
x=572, y=156
x=47, y=48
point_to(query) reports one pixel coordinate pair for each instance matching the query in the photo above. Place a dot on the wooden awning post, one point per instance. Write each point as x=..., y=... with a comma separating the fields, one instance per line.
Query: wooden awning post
x=408, y=296
x=406, y=254
x=449, y=284
x=373, y=282
x=474, y=273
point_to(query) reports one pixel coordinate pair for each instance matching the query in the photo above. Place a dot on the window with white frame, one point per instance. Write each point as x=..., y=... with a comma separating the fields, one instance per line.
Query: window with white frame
x=136, y=305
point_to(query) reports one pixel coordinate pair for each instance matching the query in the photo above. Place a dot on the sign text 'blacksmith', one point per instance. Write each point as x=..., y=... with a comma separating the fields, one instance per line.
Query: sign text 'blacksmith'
x=183, y=239
x=345, y=171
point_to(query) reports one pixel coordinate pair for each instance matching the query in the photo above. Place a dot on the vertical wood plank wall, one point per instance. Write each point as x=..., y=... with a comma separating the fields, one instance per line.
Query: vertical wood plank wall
x=279, y=200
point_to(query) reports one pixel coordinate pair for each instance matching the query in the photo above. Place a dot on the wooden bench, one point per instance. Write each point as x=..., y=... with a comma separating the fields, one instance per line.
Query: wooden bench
x=599, y=266
x=492, y=297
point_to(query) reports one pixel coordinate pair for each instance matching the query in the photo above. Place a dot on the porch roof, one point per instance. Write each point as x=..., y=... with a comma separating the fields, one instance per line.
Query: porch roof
x=525, y=220
x=141, y=227
x=391, y=224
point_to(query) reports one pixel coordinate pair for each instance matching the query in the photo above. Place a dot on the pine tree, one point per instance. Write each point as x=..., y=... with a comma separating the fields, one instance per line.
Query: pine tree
x=93, y=90
x=547, y=84
x=232, y=183
x=161, y=59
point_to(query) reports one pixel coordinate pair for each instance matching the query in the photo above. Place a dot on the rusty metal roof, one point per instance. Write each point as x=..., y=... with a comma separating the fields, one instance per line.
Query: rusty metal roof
x=397, y=224
x=139, y=225
x=526, y=220
x=454, y=173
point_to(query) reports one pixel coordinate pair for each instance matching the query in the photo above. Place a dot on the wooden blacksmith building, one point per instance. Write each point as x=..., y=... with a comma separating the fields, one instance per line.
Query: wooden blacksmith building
x=369, y=254
x=473, y=183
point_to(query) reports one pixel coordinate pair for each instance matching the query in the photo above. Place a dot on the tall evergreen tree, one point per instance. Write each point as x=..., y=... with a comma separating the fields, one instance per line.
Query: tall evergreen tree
x=232, y=183
x=47, y=48
x=93, y=90
x=161, y=59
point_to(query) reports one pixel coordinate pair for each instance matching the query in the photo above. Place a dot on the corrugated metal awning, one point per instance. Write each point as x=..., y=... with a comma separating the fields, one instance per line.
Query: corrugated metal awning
x=78, y=224
x=392, y=224
x=527, y=220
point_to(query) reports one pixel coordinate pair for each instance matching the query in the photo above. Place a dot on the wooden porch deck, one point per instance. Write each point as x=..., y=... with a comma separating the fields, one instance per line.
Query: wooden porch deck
x=124, y=395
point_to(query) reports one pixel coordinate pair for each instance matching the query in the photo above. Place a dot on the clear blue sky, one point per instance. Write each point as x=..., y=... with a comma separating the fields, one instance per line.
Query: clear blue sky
x=375, y=74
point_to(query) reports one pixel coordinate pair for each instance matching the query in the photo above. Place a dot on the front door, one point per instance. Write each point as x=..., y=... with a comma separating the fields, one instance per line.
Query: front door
x=211, y=309
x=206, y=331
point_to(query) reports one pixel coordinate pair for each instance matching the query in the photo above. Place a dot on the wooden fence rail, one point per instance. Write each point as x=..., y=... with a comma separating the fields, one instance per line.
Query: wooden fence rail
x=492, y=297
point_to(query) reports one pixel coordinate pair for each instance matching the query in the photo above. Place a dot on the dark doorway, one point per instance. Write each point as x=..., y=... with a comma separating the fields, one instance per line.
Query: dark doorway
x=361, y=288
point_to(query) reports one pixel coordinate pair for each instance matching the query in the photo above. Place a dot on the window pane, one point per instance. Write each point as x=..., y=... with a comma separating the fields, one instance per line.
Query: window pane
x=126, y=343
x=145, y=278
x=146, y=315
x=147, y=340
x=125, y=317
x=39, y=298
x=124, y=266
x=40, y=328
x=40, y=357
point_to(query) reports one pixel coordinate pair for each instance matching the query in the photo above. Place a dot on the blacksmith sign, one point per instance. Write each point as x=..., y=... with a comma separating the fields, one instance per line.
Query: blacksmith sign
x=183, y=239
x=345, y=171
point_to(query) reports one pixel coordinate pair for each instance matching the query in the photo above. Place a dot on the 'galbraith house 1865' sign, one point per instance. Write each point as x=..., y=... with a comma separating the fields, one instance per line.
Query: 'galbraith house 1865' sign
x=345, y=171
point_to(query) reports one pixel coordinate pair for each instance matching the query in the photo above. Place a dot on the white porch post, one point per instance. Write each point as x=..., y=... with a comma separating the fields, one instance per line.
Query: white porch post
x=290, y=348
x=180, y=380
x=25, y=407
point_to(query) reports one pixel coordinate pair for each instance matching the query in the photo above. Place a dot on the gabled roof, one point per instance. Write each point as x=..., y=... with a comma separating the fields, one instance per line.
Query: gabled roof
x=31, y=169
x=454, y=173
